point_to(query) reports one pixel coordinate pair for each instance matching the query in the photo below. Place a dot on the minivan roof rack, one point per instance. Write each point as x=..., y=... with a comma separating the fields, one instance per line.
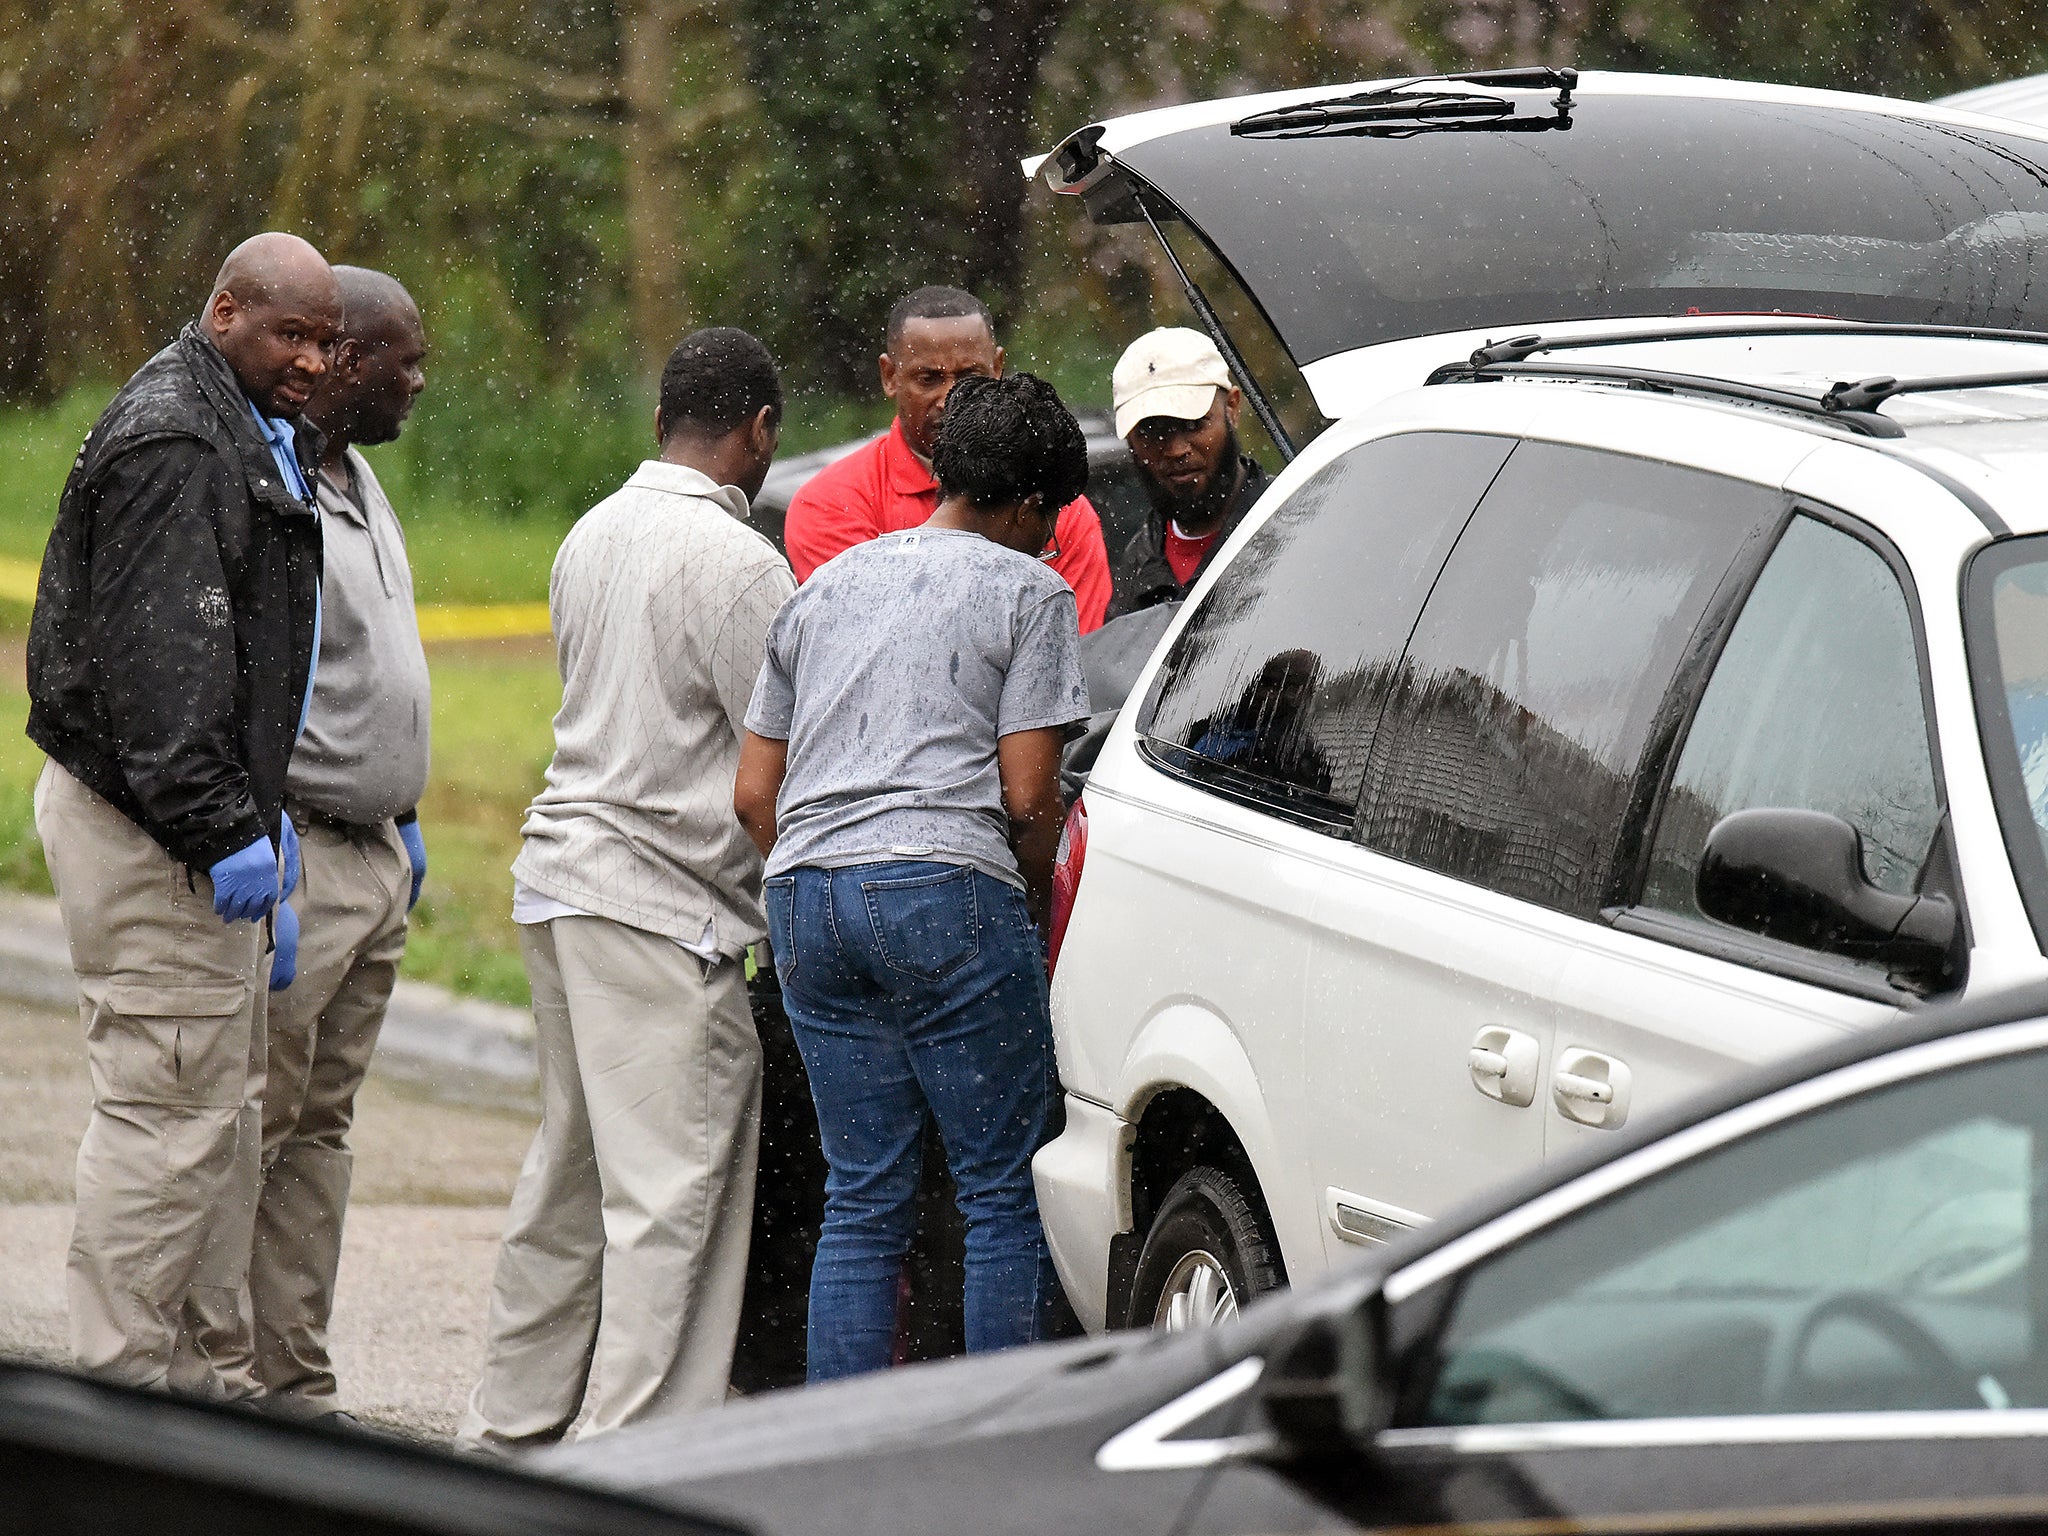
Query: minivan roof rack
x=1869, y=394
x=1851, y=404
x=1868, y=423
x=1518, y=349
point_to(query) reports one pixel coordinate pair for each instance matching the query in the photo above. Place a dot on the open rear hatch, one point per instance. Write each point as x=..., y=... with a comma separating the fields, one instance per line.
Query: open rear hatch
x=1314, y=224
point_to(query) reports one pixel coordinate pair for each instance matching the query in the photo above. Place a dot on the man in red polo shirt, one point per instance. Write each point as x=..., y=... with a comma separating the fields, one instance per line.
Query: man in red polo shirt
x=936, y=338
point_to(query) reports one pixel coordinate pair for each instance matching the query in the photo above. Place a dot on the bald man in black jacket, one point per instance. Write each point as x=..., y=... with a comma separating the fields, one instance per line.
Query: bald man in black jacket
x=169, y=660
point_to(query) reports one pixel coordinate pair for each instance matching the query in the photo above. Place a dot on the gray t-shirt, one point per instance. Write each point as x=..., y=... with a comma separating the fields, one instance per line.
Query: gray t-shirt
x=891, y=674
x=363, y=756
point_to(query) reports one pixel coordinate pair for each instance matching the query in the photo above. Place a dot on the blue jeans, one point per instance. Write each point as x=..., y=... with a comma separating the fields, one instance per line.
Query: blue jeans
x=911, y=985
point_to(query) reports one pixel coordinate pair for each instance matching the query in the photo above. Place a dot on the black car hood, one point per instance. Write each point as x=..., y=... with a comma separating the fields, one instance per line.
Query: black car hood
x=994, y=1443
x=891, y=1410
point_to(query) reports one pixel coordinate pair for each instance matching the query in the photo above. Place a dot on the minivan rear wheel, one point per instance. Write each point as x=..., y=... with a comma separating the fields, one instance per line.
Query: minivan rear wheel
x=1208, y=1253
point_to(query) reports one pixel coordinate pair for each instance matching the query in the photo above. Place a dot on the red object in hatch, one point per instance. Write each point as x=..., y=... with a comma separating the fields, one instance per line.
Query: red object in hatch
x=1066, y=878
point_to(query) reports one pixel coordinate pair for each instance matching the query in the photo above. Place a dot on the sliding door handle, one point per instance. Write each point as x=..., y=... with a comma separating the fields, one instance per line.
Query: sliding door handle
x=1503, y=1064
x=1591, y=1088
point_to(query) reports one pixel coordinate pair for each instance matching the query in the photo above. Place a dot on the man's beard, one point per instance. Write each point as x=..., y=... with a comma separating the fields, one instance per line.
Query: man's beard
x=376, y=426
x=1208, y=502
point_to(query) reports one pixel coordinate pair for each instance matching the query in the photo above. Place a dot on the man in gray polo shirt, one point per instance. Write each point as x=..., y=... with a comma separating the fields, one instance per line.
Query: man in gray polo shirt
x=352, y=789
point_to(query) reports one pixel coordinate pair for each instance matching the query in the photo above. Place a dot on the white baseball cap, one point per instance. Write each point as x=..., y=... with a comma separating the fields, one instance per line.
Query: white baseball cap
x=1172, y=371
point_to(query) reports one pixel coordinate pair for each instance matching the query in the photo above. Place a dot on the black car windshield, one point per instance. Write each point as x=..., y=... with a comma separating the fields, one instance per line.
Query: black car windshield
x=1647, y=206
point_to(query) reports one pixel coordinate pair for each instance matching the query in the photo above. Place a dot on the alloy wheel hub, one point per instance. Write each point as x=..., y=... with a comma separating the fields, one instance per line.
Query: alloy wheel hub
x=1197, y=1294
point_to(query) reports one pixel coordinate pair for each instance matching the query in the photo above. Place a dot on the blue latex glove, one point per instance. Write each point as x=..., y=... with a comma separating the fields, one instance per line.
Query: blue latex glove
x=288, y=836
x=245, y=883
x=284, y=960
x=415, y=849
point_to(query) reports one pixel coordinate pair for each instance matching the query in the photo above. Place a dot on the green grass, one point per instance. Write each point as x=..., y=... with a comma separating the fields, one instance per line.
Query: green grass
x=493, y=714
x=459, y=557
x=498, y=550
x=36, y=449
x=21, y=855
x=493, y=734
x=493, y=704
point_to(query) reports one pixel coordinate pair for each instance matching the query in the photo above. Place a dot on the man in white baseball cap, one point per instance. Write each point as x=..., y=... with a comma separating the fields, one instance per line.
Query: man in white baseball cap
x=1178, y=410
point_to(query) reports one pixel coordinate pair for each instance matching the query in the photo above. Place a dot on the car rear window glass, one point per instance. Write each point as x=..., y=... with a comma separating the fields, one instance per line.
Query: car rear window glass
x=1272, y=691
x=1650, y=205
x=2007, y=630
x=1814, y=705
x=1510, y=749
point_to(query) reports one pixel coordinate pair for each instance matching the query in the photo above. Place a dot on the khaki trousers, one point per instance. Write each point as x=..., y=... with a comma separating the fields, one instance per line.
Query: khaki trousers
x=172, y=1000
x=351, y=902
x=626, y=1245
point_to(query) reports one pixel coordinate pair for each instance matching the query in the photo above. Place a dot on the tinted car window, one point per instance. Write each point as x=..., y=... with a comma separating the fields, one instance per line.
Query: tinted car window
x=2007, y=627
x=1877, y=1255
x=1814, y=704
x=1650, y=205
x=1272, y=692
x=1509, y=749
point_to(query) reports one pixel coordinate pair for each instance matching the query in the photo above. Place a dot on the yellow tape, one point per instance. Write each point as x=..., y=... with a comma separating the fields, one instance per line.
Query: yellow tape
x=438, y=621
x=493, y=621
x=18, y=581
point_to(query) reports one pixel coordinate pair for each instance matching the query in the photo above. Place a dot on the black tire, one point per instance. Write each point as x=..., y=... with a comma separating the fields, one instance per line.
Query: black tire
x=1207, y=1222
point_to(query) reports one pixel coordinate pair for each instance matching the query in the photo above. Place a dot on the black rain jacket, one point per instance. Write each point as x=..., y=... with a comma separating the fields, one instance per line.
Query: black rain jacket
x=174, y=618
x=1143, y=577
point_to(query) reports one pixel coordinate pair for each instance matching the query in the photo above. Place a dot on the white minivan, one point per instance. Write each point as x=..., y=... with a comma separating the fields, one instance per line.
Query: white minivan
x=1584, y=714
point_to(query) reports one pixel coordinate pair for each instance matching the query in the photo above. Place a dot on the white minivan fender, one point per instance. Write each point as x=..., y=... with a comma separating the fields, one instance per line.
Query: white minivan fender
x=1186, y=1046
x=1083, y=1179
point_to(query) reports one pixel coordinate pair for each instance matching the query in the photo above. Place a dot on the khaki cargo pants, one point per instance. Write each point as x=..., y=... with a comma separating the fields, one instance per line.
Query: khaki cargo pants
x=625, y=1252
x=351, y=903
x=173, y=1004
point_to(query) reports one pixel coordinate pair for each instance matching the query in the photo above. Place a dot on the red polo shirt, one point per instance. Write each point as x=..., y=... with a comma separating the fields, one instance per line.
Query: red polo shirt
x=885, y=488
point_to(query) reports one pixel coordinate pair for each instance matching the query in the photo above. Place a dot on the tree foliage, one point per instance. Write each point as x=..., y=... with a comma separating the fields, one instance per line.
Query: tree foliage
x=856, y=199
x=570, y=184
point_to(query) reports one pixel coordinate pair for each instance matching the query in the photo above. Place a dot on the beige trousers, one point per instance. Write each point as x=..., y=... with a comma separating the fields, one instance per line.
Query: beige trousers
x=351, y=903
x=625, y=1249
x=172, y=1000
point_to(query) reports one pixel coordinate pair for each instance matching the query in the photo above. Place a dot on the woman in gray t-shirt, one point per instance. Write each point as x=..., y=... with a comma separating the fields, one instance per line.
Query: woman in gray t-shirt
x=900, y=774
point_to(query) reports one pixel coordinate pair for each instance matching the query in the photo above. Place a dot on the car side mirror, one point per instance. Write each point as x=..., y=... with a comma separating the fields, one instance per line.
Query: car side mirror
x=1797, y=876
x=1325, y=1390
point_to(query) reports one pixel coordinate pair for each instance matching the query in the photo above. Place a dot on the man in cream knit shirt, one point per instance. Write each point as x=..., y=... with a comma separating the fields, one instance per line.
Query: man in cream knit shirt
x=637, y=894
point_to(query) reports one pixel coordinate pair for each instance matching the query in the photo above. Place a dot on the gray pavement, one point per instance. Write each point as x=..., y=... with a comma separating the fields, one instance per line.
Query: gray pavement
x=432, y=1178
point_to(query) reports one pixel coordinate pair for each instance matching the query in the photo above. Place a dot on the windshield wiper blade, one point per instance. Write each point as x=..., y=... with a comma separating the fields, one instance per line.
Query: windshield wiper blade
x=1398, y=109
x=1402, y=112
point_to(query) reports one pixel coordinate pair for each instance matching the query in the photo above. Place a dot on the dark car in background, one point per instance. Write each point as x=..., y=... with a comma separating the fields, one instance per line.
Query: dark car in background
x=1114, y=484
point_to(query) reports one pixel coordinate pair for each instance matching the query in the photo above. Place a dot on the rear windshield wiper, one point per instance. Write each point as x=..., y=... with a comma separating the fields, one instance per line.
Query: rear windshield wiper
x=1399, y=110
